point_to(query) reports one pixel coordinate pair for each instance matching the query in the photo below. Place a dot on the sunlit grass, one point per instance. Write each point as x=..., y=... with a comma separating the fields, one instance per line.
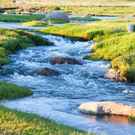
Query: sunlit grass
x=18, y=123
x=35, y=23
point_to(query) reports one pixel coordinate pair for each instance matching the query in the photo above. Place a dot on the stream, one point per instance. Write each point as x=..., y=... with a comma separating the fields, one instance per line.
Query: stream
x=59, y=97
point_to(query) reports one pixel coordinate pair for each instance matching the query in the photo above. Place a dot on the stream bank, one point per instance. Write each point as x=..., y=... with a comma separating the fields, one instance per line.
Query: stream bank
x=58, y=97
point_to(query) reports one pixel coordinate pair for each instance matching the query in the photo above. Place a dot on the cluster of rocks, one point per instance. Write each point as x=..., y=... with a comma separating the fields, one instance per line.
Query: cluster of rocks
x=65, y=60
x=58, y=60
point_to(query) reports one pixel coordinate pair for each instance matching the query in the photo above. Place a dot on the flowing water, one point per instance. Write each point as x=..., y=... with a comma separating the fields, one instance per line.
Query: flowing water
x=58, y=97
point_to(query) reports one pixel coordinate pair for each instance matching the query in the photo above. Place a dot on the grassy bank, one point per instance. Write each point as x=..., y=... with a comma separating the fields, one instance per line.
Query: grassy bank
x=131, y=118
x=91, y=31
x=35, y=23
x=13, y=40
x=113, y=43
x=18, y=123
x=12, y=91
x=20, y=18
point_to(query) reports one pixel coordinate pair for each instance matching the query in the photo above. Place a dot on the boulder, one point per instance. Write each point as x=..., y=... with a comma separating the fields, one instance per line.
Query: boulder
x=113, y=75
x=107, y=108
x=58, y=15
x=65, y=60
x=48, y=72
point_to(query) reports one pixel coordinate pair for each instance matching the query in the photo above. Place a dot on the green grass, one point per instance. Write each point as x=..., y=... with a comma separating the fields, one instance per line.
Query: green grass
x=3, y=56
x=91, y=31
x=57, y=21
x=131, y=118
x=20, y=18
x=13, y=40
x=113, y=43
x=35, y=23
x=12, y=91
x=83, y=18
x=19, y=123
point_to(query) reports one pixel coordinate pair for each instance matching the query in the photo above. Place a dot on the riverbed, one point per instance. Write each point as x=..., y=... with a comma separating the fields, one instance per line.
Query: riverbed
x=58, y=97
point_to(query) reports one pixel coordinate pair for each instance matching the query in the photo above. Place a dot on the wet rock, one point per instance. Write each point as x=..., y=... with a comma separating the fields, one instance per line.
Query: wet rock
x=107, y=108
x=113, y=75
x=65, y=60
x=48, y=72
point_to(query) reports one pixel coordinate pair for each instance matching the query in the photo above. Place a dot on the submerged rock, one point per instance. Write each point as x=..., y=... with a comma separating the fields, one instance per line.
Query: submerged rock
x=48, y=72
x=65, y=60
x=107, y=108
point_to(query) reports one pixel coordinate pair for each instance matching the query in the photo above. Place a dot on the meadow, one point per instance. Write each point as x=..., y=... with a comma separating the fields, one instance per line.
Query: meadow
x=81, y=7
